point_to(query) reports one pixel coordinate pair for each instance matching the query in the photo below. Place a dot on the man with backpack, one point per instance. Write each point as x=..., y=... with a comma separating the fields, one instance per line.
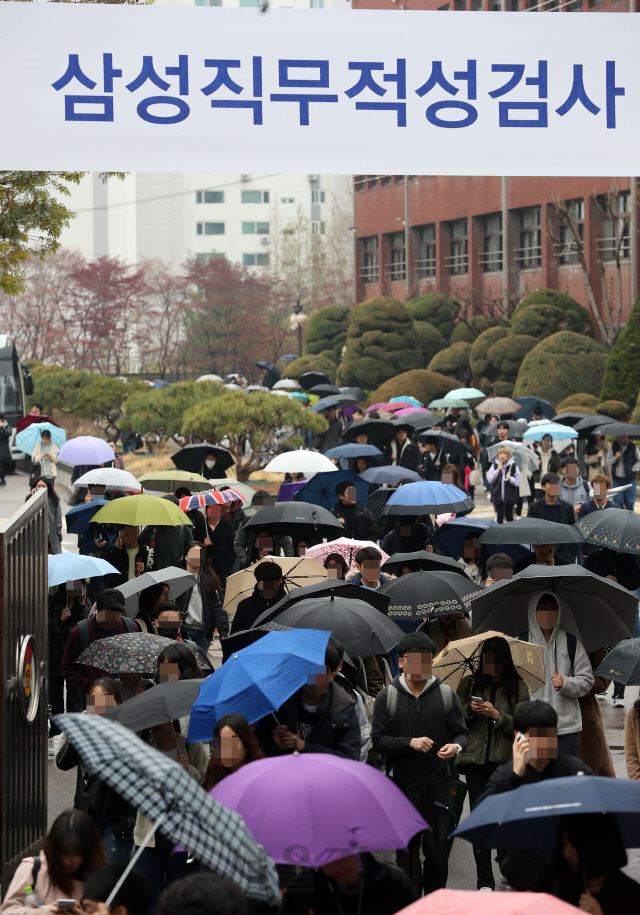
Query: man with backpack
x=419, y=727
x=110, y=619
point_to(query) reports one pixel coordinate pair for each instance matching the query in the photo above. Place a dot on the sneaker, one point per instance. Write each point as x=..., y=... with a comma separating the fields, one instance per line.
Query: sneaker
x=485, y=889
x=52, y=748
x=601, y=696
x=618, y=703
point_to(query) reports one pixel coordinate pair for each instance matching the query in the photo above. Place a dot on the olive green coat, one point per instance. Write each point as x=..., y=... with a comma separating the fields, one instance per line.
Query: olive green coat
x=480, y=727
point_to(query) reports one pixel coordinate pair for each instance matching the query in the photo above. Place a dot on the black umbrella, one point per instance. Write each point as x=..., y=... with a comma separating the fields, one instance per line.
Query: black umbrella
x=191, y=457
x=418, y=420
x=516, y=428
x=447, y=443
x=324, y=390
x=441, y=800
x=342, y=400
x=356, y=392
x=294, y=518
x=532, y=530
x=308, y=379
x=289, y=357
x=379, y=431
x=568, y=418
x=615, y=428
x=622, y=664
x=337, y=588
x=362, y=630
x=165, y=702
x=377, y=500
x=423, y=594
x=270, y=367
x=620, y=532
x=598, y=611
x=530, y=403
x=589, y=423
x=421, y=561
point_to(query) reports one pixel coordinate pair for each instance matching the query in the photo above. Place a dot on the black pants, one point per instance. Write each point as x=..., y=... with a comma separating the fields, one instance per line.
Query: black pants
x=503, y=512
x=426, y=877
x=519, y=507
x=618, y=690
x=569, y=744
x=476, y=778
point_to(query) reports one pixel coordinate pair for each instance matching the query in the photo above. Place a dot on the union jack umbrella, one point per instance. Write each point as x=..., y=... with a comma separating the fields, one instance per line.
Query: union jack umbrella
x=202, y=499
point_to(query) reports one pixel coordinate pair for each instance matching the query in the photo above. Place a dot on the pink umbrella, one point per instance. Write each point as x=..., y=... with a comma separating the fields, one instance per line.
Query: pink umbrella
x=377, y=406
x=406, y=410
x=461, y=902
x=345, y=547
x=398, y=405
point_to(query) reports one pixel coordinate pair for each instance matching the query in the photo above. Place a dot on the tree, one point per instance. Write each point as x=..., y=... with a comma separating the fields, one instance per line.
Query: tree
x=538, y=321
x=505, y=356
x=436, y=308
x=251, y=420
x=561, y=364
x=479, y=362
x=58, y=388
x=381, y=343
x=160, y=412
x=622, y=374
x=467, y=330
x=430, y=340
x=102, y=400
x=326, y=332
x=161, y=337
x=453, y=361
x=311, y=364
x=422, y=384
x=587, y=401
x=576, y=315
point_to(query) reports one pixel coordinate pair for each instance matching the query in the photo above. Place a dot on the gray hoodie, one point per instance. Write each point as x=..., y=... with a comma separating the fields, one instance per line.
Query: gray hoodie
x=575, y=493
x=556, y=657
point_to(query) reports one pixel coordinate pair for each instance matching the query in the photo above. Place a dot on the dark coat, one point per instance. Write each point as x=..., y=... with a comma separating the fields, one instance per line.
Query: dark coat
x=5, y=437
x=530, y=560
x=252, y=607
x=624, y=566
x=245, y=540
x=394, y=542
x=77, y=674
x=359, y=523
x=553, y=467
x=537, y=510
x=213, y=473
x=169, y=544
x=410, y=456
x=213, y=616
x=120, y=559
x=329, y=439
x=428, y=467
x=59, y=629
x=221, y=553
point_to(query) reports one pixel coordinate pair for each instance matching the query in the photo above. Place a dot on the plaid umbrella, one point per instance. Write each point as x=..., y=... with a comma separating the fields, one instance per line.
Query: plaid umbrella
x=346, y=548
x=498, y=405
x=161, y=789
x=202, y=499
x=130, y=653
x=462, y=657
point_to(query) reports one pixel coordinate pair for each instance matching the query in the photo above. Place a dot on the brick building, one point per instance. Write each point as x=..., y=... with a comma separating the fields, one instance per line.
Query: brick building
x=476, y=237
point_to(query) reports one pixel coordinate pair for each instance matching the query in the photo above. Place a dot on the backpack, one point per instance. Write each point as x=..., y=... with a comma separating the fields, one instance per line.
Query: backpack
x=84, y=633
x=572, y=644
x=445, y=691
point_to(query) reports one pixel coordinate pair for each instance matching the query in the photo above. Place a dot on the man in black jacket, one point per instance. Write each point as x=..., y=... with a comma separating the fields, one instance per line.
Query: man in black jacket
x=418, y=726
x=401, y=451
x=331, y=438
x=359, y=523
x=408, y=536
x=267, y=592
x=552, y=508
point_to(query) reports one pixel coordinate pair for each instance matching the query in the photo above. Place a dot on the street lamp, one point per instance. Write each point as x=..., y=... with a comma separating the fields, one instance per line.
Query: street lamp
x=297, y=320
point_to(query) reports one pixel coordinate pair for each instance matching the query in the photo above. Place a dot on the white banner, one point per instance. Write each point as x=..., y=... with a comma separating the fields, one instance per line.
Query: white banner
x=206, y=89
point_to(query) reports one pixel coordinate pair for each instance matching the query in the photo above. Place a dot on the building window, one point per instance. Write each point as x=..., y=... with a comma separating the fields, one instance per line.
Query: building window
x=426, y=263
x=254, y=196
x=370, y=270
x=492, y=254
x=317, y=228
x=398, y=264
x=384, y=180
x=477, y=5
x=317, y=196
x=445, y=7
x=360, y=182
x=255, y=228
x=209, y=196
x=287, y=199
x=568, y=243
x=458, y=261
x=208, y=2
x=615, y=231
x=529, y=254
x=460, y=4
x=316, y=4
x=210, y=228
x=255, y=260
x=372, y=182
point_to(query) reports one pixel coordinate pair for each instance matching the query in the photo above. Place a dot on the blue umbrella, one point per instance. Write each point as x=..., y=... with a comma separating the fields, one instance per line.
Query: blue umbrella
x=427, y=497
x=449, y=539
x=555, y=430
x=528, y=405
x=32, y=435
x=412, y=400
x=529, y=816
x=79, y=517
x=258, y=679
x=324, y=404
x=321, y=488
x=72, y=567
x=352, y=451
x=389, y=474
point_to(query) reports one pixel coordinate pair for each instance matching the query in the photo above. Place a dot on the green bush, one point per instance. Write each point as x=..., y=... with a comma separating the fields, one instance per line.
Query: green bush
x=478, y=361
x=616, y=409
x=577, y=317
x=503, y=388
x=326, y=332
x=453, y=361
x=562, y=364
x=506, y=356
x=381, y=343
x=430, y=340
x=622, y=374
x=421, y=384
x=469, y=330
x=436, y=308
x=311, y=364
x=538, y=321
x=579, y=400
x=635, y=416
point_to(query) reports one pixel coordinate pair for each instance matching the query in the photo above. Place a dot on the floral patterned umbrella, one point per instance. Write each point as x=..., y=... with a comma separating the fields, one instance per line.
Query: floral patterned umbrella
x=346, y=548
x=130, y=653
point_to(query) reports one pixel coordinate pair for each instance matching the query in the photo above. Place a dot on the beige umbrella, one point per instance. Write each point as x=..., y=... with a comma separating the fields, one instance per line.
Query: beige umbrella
x=170, y=480
x=459, y=658
x=297, y=572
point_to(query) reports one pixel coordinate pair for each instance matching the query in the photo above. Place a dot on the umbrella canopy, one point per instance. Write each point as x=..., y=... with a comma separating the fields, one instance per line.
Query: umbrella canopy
x=32, y=436
x=286, y=384
x=449, y=538
x=615, y=428
x=374, y=812
x=109, y=476
x=300, y=395
x=321, y=488
x=299, y=462
x=423, y=594
x=409, y=411
x=356, y=392
x=167, y=795
x=462, y=657
x=447, y=443
x=620, y=532
x=596, y=610
x=379, y=431
x=588, y=423
x=177, y=579
x=516, y=427
x=325, y=404
x=427, y=497
x=165, y=702
x=463, y=394
x=423, y=562
x=245, y=637
x=523, y=455
x=498, y=405
x=346, y=547
x=324, y=589
x=296, y=519
x=296, y=572
x=324, y=390
x=141, y=510
x=86, y=449
x=352, y=451
x=406, y=399
x=189, y=503
x=362, y=630
x=270, y=367
x=447, y=403
x=309, y=379
x=555, y=430
x=210, y=377
x=529, y=816
x=130, y=653
x=72, y=567
x=191, y=457
x=389, y=474
x=533, y=530
x=25, y=421
x=622, y=663
x=569, y=417
x=258, y=679
x=170, y=480
x=461, y=902
x=377, y=501
x=528, y=404
x=418, y=419
x=79, y=517
x=244, y=490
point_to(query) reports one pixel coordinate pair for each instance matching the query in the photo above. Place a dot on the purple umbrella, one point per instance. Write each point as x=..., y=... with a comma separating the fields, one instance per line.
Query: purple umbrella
x=367, y=810
x=288, y=490
x=86, y=449
x=376, y=406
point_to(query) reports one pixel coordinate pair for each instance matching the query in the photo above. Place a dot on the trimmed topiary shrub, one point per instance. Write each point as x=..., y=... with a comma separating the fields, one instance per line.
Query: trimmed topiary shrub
x=422, y=384
x=616, y=409
x=579, y=400
x=436, y=308
x=486, y=386
x=311, y=364
x=577, y=317
x=469, y=330
x=538, y=321
x=453, y=361
x=326, y=332
x=562, y=363
x=507, y=354
x=503, y=388
x=622, y=374
x=430, y=340
x=381, y=343
x=478, y=359
x=635, y=416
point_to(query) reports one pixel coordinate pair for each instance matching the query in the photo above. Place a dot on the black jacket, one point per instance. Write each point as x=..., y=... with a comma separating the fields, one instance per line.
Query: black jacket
x=359, y=523
x=608, y=562
x=530, y=560
x=252, y=607
x=537, y=510
x=245, y=540
x=329, y=439
x=59, y=629
x=410, y=455
x=423, y=716
x=5, y=438
x=428, y=467
x=213, y=616
x=394, y=542
x=222, y=555
x=120, y=559
x=505, y=779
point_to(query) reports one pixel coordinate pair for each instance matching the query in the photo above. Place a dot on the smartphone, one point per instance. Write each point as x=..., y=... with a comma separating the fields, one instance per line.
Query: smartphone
x=477, y=699
x=66, y=903
x=520, y=737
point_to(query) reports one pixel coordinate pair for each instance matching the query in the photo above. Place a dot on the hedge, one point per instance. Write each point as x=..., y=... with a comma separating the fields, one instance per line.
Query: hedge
x=469, y=330
x=430, y=340
x=579, y=400
x=616, y=409
x=503, y=388
x=577, y=317
x=436, y=308
x=478, y=361
x=562, y=364
x=421, y=384
x=311, y=364
x=326, y=332
x=453, y=361
x=538, y=321
x=622, y=374
x=507, y=354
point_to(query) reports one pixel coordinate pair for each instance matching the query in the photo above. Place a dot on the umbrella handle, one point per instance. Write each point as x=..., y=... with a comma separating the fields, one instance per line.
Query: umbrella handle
x=273, y=715
x=132, y=863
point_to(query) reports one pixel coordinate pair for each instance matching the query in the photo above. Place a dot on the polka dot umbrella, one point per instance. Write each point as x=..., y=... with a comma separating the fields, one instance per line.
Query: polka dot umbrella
x=614, y=528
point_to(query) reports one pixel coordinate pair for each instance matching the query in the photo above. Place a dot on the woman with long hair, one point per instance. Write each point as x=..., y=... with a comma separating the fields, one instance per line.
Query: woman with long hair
x=234, y=745
x=71, y=851
x=201, y=610
x=336, y=566
x=177, y=662
x=489, y=697
x=149, y=598
x=55, y=513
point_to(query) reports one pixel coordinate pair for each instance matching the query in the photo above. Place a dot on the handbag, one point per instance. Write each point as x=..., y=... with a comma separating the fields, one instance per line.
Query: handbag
x=475, y=477
x=71, y=496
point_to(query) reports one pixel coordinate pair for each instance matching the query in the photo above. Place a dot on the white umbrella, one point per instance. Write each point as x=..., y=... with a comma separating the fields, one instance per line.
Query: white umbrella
x=109, y=476
x=209, y=378
x=300, y=462
x=286, y=384
x=522, y=454
x=233, y=387
x=256, y=387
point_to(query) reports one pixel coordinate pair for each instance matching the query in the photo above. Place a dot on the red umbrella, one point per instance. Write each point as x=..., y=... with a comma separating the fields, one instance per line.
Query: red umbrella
x=25, y=421
x=461, y=902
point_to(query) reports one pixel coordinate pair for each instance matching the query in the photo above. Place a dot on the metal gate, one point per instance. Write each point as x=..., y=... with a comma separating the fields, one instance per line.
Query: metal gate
x=24, y=656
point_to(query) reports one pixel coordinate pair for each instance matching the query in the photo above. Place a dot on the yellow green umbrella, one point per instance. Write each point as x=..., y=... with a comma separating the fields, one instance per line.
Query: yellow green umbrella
x=140, y=510
x=170, y=480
